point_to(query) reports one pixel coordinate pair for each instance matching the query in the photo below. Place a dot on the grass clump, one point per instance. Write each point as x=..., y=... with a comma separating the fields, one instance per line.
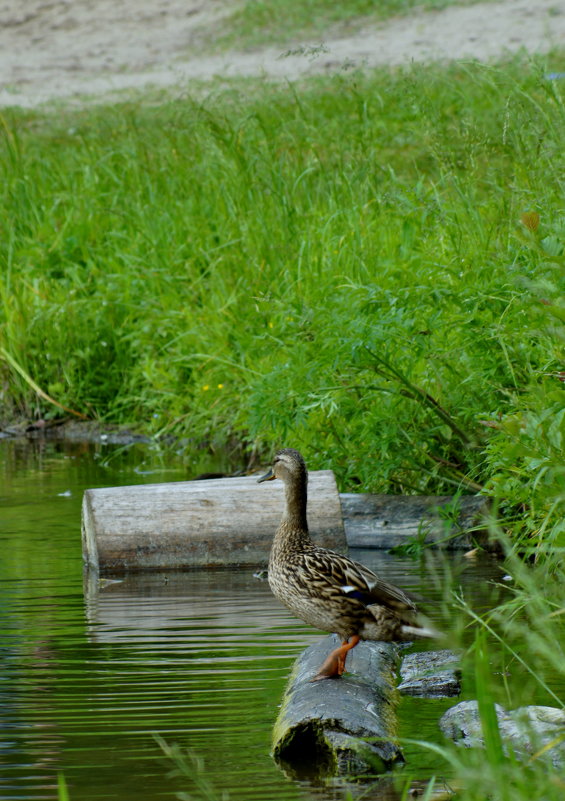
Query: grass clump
x=515, y=659
x=369, y=267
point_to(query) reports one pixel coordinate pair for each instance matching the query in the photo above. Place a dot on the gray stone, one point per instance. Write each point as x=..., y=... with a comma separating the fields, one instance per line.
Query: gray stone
x=430, y=674
x=526, y=730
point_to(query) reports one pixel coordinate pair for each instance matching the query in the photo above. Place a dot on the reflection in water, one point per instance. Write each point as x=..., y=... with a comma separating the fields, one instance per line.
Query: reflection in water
x=90, y=674
x=196, y=656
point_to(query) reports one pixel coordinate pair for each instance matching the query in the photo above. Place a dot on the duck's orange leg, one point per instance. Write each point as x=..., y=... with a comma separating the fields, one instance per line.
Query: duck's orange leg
x=334, y=664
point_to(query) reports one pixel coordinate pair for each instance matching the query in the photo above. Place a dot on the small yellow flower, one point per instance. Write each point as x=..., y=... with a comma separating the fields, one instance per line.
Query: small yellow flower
x=205, y=387
x=270, y=324
x=220, y=386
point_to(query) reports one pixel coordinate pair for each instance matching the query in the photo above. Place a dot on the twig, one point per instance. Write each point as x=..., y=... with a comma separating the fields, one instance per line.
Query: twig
x=416, y=393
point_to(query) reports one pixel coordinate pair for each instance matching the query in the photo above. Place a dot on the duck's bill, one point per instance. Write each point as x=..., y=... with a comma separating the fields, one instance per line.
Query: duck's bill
x=269, y=476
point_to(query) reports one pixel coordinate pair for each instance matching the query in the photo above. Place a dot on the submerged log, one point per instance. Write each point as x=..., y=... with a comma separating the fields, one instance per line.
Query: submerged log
x=340, y=726
x=208, y=523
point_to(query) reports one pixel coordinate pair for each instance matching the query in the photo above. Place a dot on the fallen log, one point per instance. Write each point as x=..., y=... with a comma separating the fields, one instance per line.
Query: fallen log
x=230, y=521
x=340, y=726
x=349, y=726
x=390, y=521
x=208, y=523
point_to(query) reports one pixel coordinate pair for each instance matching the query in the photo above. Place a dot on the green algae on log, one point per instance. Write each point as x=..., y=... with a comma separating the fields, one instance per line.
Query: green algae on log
x=340, y=726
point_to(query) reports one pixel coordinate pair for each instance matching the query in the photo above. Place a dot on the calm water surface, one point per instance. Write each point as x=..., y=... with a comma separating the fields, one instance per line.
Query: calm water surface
x=90, y=674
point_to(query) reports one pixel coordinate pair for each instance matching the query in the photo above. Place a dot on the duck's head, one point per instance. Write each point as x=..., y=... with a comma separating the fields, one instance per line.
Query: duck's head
x=288, y=464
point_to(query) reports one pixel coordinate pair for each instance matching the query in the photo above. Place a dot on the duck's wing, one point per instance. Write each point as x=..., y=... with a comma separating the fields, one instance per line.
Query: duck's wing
x=338, y=574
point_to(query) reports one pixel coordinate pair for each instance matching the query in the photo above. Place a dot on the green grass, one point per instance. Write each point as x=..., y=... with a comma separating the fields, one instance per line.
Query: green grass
x=354, y=267
x=340, y=266
x=260, y=22
x=515, y=659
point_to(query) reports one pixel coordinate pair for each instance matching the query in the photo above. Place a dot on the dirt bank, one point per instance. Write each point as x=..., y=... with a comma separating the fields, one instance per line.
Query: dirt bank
x=75, y=49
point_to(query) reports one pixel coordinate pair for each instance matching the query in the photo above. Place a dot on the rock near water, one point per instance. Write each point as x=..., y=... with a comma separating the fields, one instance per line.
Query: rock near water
x=430, y=674
x=527, y=731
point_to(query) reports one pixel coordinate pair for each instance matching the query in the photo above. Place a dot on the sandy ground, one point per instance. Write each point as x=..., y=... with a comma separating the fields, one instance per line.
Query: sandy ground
x=69, y=49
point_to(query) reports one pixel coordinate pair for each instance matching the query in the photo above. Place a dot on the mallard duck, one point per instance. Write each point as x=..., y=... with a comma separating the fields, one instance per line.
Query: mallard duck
x=325, y=589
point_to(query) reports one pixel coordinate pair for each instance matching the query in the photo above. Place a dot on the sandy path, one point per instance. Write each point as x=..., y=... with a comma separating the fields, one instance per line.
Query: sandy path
x=53, y=49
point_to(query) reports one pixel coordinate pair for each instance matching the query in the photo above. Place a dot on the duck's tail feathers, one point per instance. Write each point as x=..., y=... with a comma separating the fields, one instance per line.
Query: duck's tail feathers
x=421, y=631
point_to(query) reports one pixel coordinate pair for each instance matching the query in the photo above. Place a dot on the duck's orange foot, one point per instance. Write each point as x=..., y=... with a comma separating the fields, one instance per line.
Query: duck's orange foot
x=330, y=669
x=334, y=665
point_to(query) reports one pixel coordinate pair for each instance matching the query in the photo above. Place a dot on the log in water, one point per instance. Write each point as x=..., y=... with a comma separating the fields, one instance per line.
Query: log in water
x=323, y=725
x=349, y=725
x=231, y=521
x=389, y=521
x=219, y=522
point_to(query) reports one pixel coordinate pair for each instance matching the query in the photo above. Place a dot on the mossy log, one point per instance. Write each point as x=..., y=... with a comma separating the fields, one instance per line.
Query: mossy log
x=340, y=726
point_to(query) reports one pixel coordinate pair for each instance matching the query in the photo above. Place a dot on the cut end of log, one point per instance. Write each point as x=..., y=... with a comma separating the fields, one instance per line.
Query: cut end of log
x=310, y=749
x=304, y=750
x=88, y=533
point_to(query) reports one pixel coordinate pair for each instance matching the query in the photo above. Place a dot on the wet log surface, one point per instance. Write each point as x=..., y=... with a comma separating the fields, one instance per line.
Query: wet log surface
x=345, y=725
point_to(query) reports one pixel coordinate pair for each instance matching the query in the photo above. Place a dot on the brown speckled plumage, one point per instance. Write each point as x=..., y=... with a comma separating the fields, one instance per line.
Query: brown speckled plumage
x=329, y=591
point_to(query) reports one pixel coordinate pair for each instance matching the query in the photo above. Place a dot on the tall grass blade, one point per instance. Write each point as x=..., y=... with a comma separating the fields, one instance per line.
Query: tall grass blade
x=63, y=793
x=36, y=388
x=487, y=709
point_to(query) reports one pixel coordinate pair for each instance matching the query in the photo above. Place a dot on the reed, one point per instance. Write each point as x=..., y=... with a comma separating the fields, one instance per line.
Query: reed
x=514, y=658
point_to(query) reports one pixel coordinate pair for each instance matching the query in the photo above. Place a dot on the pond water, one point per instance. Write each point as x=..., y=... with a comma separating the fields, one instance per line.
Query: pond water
x=90, y=674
